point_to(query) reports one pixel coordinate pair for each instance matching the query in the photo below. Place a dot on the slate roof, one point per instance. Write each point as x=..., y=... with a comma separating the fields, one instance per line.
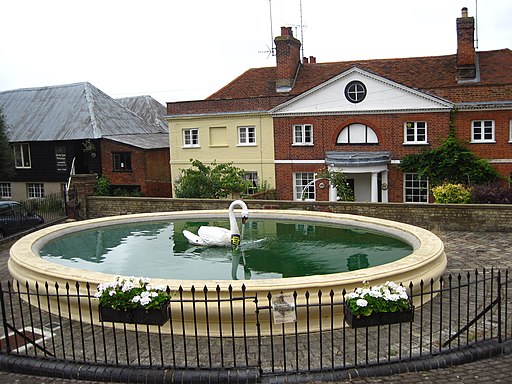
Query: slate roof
x=67, y=112
x=143, y=140
x=147, y=108
x=255, y=90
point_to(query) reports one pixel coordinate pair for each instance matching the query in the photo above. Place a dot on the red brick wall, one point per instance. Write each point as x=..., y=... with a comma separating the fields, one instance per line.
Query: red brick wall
x=499, y=150
x=390, y=132
x=389, y=129
x=150, y=168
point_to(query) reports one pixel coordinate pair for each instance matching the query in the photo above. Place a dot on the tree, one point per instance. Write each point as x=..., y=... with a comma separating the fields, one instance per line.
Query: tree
x=6, y=154
x=451, y=162
x=211, y=182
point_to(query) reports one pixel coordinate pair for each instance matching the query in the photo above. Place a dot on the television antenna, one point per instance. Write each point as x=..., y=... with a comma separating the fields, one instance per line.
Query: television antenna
x=271, y=49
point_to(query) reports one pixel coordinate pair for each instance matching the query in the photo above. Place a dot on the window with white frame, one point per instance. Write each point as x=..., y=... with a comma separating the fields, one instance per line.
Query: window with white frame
x=22, y=155
x=246, y=135
x=304, y=186
x=303, y=134
x=357, y=134
x=5, y=191
x=415, y=188
x=415, y=132
x=191, y=137
x=253, y=178
x=482, y=131
x=510, y=131
x=35, y=190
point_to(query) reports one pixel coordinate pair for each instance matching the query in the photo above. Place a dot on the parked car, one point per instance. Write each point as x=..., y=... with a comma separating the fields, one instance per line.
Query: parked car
x=15, y=218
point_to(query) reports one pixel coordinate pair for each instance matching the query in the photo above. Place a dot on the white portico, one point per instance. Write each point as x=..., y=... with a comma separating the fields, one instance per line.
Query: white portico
x=366, y=172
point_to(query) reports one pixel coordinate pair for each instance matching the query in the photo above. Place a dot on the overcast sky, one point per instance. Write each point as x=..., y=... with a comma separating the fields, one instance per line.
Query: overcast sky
x=187, y=49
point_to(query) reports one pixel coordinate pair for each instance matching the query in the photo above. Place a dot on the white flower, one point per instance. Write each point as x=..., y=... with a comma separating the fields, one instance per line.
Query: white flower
x=392, y=285
x=145, y=300
x=361, y=302
x=351, y=295
x=156, y=287
x=392, y=297
x=111, y=293
x=128, y=286
x=136, y=299
x=375, y=293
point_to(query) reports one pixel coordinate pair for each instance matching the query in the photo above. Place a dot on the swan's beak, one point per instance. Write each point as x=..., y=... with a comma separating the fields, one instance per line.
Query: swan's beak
x=244, y=219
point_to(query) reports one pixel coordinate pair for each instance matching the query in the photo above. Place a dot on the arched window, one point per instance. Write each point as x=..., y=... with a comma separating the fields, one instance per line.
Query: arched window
x=357, y=134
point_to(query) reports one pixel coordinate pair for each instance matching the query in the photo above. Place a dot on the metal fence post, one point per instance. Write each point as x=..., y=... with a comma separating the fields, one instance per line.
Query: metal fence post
x=498, y=298
x=4, y=320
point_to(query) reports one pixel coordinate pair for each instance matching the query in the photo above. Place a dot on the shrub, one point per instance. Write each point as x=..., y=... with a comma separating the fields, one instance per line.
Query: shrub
x=448, y=193
x=102, y=187
x=494, y=193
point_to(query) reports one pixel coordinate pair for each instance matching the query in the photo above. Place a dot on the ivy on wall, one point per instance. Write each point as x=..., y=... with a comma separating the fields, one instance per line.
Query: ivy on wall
x=451, y=162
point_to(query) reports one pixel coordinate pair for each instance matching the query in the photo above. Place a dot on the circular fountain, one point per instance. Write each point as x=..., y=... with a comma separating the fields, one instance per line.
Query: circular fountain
x=426, y=262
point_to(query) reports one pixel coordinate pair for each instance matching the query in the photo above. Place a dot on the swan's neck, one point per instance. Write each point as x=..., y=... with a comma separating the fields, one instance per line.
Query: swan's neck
x=233, y=225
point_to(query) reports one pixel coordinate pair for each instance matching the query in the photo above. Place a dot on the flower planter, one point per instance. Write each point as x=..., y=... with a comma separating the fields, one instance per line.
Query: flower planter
x=154, y=316
x=382, y=318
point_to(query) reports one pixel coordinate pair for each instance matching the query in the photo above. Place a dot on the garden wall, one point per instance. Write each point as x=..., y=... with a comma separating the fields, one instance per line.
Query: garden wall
x=453, y=217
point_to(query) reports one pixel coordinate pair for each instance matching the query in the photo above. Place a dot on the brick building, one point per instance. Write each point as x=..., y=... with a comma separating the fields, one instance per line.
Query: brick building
x=363, y=117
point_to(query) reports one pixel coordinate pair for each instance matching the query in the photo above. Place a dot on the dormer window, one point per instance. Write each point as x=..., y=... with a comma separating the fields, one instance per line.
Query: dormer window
x=355, y=91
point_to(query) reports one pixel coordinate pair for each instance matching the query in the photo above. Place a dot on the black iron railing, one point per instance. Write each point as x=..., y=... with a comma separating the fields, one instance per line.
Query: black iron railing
x=51, y=208
x=46, y=322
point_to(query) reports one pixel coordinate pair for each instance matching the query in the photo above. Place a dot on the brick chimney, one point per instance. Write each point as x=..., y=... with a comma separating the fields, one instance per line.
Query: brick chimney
x=466, y=56
x=288, y=59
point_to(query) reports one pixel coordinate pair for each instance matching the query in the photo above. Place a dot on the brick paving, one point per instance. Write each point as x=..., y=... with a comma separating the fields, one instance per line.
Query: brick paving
x=466, y=251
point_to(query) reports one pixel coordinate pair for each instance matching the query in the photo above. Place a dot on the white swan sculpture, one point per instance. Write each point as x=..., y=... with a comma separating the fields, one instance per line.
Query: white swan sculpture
x=217, y=236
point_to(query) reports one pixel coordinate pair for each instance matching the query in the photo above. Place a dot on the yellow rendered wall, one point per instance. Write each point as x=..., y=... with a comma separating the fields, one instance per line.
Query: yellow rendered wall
x=218, y=141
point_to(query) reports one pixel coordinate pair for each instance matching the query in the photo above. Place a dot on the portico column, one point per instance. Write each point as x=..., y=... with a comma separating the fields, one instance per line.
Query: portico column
x=375, y=188
x=384, y=175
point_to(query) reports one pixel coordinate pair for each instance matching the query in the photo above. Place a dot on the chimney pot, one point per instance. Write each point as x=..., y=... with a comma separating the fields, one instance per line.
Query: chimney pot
x=305, y=60
x=312, y=59
x=286, y=31
x=464, y=12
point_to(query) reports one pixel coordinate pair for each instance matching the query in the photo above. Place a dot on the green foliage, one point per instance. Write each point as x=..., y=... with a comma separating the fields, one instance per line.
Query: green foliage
x=102, y=187
x=211, y=182
x=133, y=292
x=448, y=193
x=339, y=180
x=451, y=162
x=6, y=152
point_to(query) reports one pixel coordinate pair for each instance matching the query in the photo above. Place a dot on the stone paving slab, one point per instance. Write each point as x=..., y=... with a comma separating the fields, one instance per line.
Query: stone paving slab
x=466, y=251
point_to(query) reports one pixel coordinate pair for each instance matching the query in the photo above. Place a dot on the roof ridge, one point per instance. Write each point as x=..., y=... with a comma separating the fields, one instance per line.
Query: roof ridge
x=82, y=83
x=89, y=99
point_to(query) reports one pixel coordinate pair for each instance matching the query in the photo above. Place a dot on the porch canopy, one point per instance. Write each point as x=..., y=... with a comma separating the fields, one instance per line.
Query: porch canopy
x=372, y=187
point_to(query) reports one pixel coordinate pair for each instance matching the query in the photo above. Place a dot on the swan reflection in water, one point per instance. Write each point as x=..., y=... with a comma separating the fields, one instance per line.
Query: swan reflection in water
x=236, y=255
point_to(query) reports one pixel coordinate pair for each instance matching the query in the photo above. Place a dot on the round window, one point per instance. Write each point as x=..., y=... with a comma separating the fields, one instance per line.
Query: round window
x=355, y=91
